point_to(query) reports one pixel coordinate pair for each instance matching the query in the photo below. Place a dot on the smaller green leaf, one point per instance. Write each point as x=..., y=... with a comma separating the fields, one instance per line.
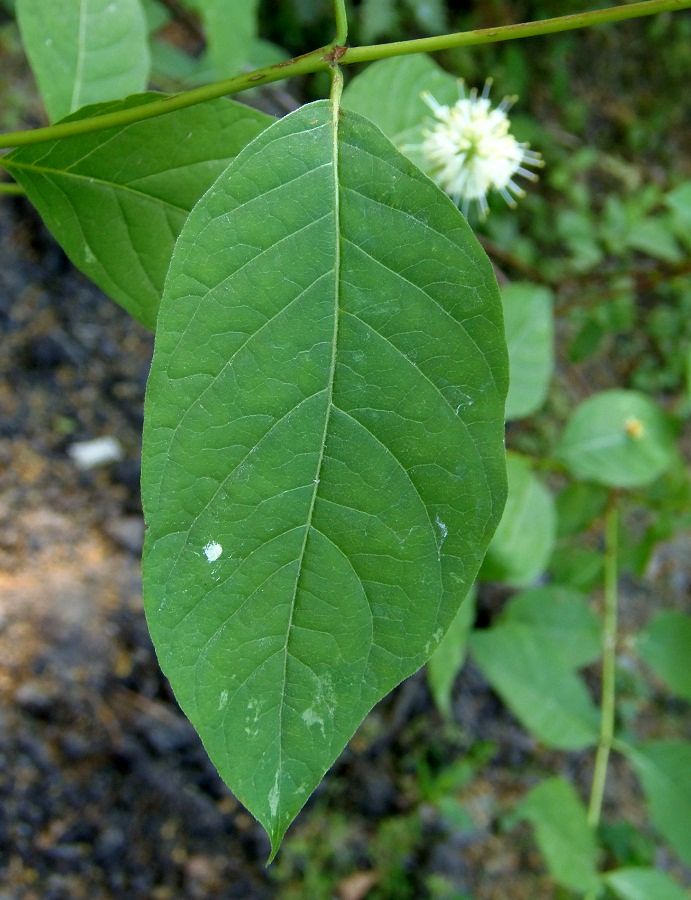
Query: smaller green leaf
x=665, y=646
x=663, y=768
x=561, y=618
x=654, y=237
x=578, y=505
x=529, y=325
x=576, y=566
x=389, y=93
x=156, y=14
x=617, y=438
x=679, y=202
x=231, y=30
x=529, y=657
x=644, y=884
x=115, y=200
x=430, y=15
x=378, y=19
x=521, y=546
x=447, y=660
x=563, y=835
x=84, y=51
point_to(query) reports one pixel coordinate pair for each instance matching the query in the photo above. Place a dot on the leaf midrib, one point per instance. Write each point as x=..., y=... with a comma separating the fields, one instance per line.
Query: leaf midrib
x=335, y=110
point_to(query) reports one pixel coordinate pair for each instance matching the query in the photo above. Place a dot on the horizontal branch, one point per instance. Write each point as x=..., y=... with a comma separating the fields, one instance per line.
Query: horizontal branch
x=513, y=32
x=324, y=57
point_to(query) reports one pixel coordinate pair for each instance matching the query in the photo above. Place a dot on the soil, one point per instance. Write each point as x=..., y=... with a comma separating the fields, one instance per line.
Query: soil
x=105, y=790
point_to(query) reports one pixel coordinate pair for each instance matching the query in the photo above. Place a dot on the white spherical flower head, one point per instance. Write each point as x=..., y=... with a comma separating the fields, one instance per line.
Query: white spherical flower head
x=470, y=151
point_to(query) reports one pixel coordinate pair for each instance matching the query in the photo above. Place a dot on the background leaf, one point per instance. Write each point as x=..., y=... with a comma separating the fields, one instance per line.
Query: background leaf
x=529, y=325
x=665, y=646
x=389, y=93
x=116, y=199
x=529, y=657
x=617, y=438
x=231, y=31
x=562, y=832
x=447, y=660
x=323, y=450
x=663, y=767
x=522, y=543
x=84, y=51
x=644, y=884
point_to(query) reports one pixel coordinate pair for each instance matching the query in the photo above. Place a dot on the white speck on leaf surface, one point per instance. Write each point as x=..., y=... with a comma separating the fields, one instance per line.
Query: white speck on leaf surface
x=223, y=699
x=323, y=704
x=212, y=551
x=273, y=797
x=443, y=532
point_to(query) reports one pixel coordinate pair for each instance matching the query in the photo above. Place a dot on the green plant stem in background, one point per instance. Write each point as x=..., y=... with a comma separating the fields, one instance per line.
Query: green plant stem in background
x=323, y=58
x=9, y=188
x=513, y=32
x=609, y=659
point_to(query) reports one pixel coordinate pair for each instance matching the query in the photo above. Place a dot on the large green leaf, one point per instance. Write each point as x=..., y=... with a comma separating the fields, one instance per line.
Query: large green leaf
x=523, y=542
x=665, y=646
x=84, y=51
x=617, y=438
x=529, y=327
x=530, y=655
x=323, y=463
x=116, y=199
x=562, y=832
x=663, y=767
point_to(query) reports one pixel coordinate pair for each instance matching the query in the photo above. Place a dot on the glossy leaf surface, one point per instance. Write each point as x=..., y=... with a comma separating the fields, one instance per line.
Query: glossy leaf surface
x=116, y=199
x=323, y=462
x=84, y=51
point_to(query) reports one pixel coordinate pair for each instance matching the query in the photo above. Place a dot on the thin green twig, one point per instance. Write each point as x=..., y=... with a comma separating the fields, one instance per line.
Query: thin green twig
x=322, y=58
x=8, y=187
x=609, y=660
x=513, y=32
x=341, y=16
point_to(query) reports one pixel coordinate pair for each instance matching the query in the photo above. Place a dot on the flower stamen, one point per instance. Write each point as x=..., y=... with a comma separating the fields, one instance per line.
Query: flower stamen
x=469, y=150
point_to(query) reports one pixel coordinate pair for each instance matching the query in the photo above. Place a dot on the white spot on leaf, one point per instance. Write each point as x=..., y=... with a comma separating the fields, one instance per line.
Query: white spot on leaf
x=273, y=797
x=212, y=551
x=223, y=700
x=323, y=702
x=443, y=533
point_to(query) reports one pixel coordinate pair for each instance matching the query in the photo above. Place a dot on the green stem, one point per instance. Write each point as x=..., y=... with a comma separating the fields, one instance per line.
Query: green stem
x=341, y=16
x=513, y=32
x=321, y=59
x=7, y=187
x=609, y=660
